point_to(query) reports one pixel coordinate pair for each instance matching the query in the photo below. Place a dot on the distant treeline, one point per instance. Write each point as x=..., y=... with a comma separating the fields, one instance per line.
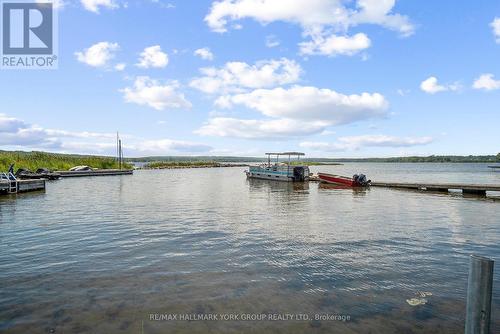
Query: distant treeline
x=53, y=161
x=194, y=159
x=432, y=158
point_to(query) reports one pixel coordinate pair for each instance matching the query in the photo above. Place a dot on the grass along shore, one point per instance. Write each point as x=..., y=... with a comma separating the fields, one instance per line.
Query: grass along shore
x=54, y=161
x=216, y=164
x=188, y=164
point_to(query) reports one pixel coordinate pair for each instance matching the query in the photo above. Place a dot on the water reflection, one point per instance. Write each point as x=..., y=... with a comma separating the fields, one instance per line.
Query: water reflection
x=356, y=191
x=277, y=186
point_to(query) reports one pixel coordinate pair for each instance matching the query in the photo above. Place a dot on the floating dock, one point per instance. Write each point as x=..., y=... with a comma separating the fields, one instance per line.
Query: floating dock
x=98, y=172
x=21, y=186
x=471, y=189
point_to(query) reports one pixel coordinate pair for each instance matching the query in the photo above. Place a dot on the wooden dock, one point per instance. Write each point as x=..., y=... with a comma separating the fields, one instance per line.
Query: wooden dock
x=97, y=172
x=21, y=186
x=472, y=189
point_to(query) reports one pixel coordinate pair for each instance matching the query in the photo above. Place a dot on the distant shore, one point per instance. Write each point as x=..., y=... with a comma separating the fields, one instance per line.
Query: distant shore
x=56, y=161
x=214, y=164
x=189, y=164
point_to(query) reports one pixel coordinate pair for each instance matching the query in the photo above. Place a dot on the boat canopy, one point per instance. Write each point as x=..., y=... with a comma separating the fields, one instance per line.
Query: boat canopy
x=287, y=153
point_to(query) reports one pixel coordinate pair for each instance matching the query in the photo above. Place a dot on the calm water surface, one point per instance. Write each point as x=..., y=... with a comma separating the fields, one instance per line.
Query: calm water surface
x=99, y=255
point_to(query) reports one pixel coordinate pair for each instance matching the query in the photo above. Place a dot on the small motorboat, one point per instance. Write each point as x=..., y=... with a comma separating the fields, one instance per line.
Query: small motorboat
x=358, y=180
x=81, y=168
x=41, y=173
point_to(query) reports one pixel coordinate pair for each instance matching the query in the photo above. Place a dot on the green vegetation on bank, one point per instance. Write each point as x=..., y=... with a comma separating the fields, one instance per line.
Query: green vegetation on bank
x=327, y=161
x=181, y=164
x=312, y=163
x=54, y=161
x=431, y=158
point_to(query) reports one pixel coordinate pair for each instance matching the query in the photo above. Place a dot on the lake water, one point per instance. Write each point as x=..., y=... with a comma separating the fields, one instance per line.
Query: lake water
x=109, y=254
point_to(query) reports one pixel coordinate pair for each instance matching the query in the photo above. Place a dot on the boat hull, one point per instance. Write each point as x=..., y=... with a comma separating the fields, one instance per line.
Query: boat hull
x=337, y=179
x=266, y=176
x=279, y=173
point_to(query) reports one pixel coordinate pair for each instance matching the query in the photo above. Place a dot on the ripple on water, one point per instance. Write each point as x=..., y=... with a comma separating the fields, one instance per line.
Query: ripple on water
x=80, y=259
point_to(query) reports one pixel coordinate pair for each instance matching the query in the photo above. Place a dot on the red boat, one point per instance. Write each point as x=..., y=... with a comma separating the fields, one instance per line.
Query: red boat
x=355, y=181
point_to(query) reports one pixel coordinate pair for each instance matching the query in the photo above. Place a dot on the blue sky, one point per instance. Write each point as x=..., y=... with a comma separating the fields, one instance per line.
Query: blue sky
x=331, y=78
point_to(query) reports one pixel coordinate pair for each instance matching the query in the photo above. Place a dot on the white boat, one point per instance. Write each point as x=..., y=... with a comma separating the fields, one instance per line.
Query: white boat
x=280, y=171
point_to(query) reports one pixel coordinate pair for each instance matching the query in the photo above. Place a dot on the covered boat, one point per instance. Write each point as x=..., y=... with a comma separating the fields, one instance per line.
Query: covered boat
x=41, y=173
x=280, y=171
x=358, y=180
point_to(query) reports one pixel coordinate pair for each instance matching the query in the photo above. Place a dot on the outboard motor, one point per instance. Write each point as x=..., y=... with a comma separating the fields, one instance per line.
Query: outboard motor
x=298, y=174
x=361, y=180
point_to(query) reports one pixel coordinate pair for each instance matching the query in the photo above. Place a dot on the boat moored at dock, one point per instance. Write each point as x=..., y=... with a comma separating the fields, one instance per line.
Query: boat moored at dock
x=280, y=171
x=358, y=180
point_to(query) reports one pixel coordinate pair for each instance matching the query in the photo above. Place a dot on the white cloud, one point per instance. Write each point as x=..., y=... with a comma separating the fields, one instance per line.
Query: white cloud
x=272, y=41
x=152, y=57
x=94, y=5
x=163, y=4
x=294, y=112
x=431, y=86
x=204, y=53
x=98, y=55
x=335, y=45
x=147, y=91
x=310, y=103
x=120, y=66
x=357, y=142
x=319, y=19
x=17, y=134
x=235, y=76
x=486, y=82
x=308, y=14
x=259, y=129
x=495, y=25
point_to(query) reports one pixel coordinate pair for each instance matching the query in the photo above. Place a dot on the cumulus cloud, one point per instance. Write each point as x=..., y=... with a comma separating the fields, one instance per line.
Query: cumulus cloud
x=152, y=57
x=310, y=103
x=294, y=112
x=204, y=53
x=431, y=86
x=95, y=5
x=335, y=45
x=98, y=55
x=308, y=13
x=318, y=19
x=495, y=25
x=18, y=134
x=259, y=129
x=357, y=142
x=486, y=82
x=150, y=92
x=235, y=76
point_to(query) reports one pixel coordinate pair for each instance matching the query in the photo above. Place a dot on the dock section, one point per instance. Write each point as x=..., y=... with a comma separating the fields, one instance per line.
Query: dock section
x=472, y=189
x=97, y=172
x=21, y=186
